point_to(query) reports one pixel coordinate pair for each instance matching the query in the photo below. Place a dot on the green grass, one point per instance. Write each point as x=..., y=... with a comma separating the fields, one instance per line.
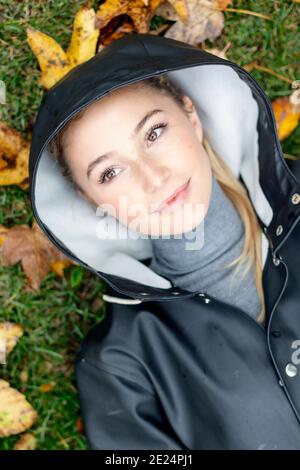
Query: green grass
x=58, y=316
x=55, y=320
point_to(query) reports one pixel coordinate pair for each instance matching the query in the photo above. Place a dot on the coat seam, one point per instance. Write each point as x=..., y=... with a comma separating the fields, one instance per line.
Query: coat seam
x=144, y=46
x=108, y=369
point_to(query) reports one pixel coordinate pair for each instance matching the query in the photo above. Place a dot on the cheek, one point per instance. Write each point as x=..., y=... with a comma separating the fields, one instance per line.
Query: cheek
x=126, y=207
x=185, y=151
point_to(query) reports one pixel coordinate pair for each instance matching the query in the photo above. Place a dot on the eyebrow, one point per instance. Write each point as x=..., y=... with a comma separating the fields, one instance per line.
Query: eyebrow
x=138, y=127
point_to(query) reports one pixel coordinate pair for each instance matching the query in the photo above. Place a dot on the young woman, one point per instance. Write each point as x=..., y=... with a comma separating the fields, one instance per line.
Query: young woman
x=146, y=146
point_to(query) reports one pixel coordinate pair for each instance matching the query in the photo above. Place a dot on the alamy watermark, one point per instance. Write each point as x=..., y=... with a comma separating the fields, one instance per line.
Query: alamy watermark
x=296, y=354
x=139, y=223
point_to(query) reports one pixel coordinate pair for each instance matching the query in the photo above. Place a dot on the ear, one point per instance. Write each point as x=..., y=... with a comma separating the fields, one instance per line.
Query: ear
x=193, y=116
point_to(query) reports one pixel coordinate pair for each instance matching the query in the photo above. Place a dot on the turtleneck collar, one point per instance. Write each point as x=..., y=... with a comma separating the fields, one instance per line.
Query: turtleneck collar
x=205, y=244
x=220, y=238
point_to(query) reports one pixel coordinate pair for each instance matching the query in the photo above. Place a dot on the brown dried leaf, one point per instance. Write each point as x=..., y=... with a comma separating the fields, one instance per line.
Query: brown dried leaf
x=107, y=37
x=79, y=425
x=26, y=442
x=218, y=52
x=36, y=253
x=205, y=21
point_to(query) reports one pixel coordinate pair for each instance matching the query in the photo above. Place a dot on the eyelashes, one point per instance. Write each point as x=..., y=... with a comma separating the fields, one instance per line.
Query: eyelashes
x=154, y=127
x=107, y=171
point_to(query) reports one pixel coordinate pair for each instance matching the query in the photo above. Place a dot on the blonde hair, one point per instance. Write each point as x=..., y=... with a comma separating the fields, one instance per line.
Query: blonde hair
x=251, y=255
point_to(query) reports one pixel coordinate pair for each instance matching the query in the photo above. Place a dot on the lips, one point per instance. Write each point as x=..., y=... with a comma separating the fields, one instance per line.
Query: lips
x=176, y=196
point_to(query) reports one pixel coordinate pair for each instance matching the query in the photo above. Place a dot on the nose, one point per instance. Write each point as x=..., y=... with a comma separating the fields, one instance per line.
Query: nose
x=154, y=178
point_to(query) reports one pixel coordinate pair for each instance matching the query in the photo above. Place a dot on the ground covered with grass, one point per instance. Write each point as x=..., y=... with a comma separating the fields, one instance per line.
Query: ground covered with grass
x=58, y=316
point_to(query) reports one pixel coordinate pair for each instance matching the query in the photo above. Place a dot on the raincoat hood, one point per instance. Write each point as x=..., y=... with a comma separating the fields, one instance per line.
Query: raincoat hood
x=236, y=116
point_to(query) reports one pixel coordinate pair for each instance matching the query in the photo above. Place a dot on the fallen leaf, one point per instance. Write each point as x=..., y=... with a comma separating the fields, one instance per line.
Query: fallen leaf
x=107, y=37
x=3, y=232
x=140, y=11
x=58, y=266
x=9, y=335
x=16, y=414
x=84, y=37
x=24, y=376
x=35, y=251
x=205, y=20
x=79, y=425
x=14, y=157
x=47, y=387
x=53, y=61
x=26, y=442
x=218, y=52
x=287, y=114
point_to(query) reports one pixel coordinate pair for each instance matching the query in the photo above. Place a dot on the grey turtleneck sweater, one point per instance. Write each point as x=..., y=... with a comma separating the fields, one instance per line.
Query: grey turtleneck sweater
x=219, y=239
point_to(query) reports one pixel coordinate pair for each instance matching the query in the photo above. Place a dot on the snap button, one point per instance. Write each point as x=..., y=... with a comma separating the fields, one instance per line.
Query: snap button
x=291, y=369
x=296, y=198
x=276, y=334
x=276, y=261
x=279, y=230
x=206, y=300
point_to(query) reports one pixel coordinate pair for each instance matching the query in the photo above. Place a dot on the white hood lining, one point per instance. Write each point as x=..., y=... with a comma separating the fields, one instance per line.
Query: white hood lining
x=229, y=115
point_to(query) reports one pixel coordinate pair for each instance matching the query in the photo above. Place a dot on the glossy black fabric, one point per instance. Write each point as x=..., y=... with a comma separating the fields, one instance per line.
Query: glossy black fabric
x=183, y=375
x=186, y=371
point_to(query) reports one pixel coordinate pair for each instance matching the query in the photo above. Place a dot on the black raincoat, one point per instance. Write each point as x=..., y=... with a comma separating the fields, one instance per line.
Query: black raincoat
x=168, y=368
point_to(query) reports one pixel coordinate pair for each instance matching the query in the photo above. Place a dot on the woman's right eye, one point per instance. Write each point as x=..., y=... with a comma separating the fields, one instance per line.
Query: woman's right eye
x=106, y=174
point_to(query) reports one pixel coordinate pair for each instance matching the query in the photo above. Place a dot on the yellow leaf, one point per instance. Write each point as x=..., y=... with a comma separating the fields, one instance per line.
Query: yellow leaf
x=84, y=37
x=59, y=266
x=286, y=115
x=53, y=61
x=140, y=11
x=14, y=157
x=47, y=387
x=16, y=414
x=51, y=57
x=9, y=335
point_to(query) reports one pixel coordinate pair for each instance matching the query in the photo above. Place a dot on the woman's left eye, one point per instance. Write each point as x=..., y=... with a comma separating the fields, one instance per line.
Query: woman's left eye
x=151, y=132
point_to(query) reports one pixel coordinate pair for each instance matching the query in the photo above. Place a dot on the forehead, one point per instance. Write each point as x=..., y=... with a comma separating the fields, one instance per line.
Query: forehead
x=120, y=105
x=127, y=99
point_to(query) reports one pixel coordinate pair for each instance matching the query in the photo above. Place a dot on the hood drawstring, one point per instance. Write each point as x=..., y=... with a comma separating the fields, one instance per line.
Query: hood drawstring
x=119, y=300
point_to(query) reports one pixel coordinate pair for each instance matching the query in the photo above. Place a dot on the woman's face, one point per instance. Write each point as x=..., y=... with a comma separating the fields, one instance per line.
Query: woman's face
x=148, y=148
